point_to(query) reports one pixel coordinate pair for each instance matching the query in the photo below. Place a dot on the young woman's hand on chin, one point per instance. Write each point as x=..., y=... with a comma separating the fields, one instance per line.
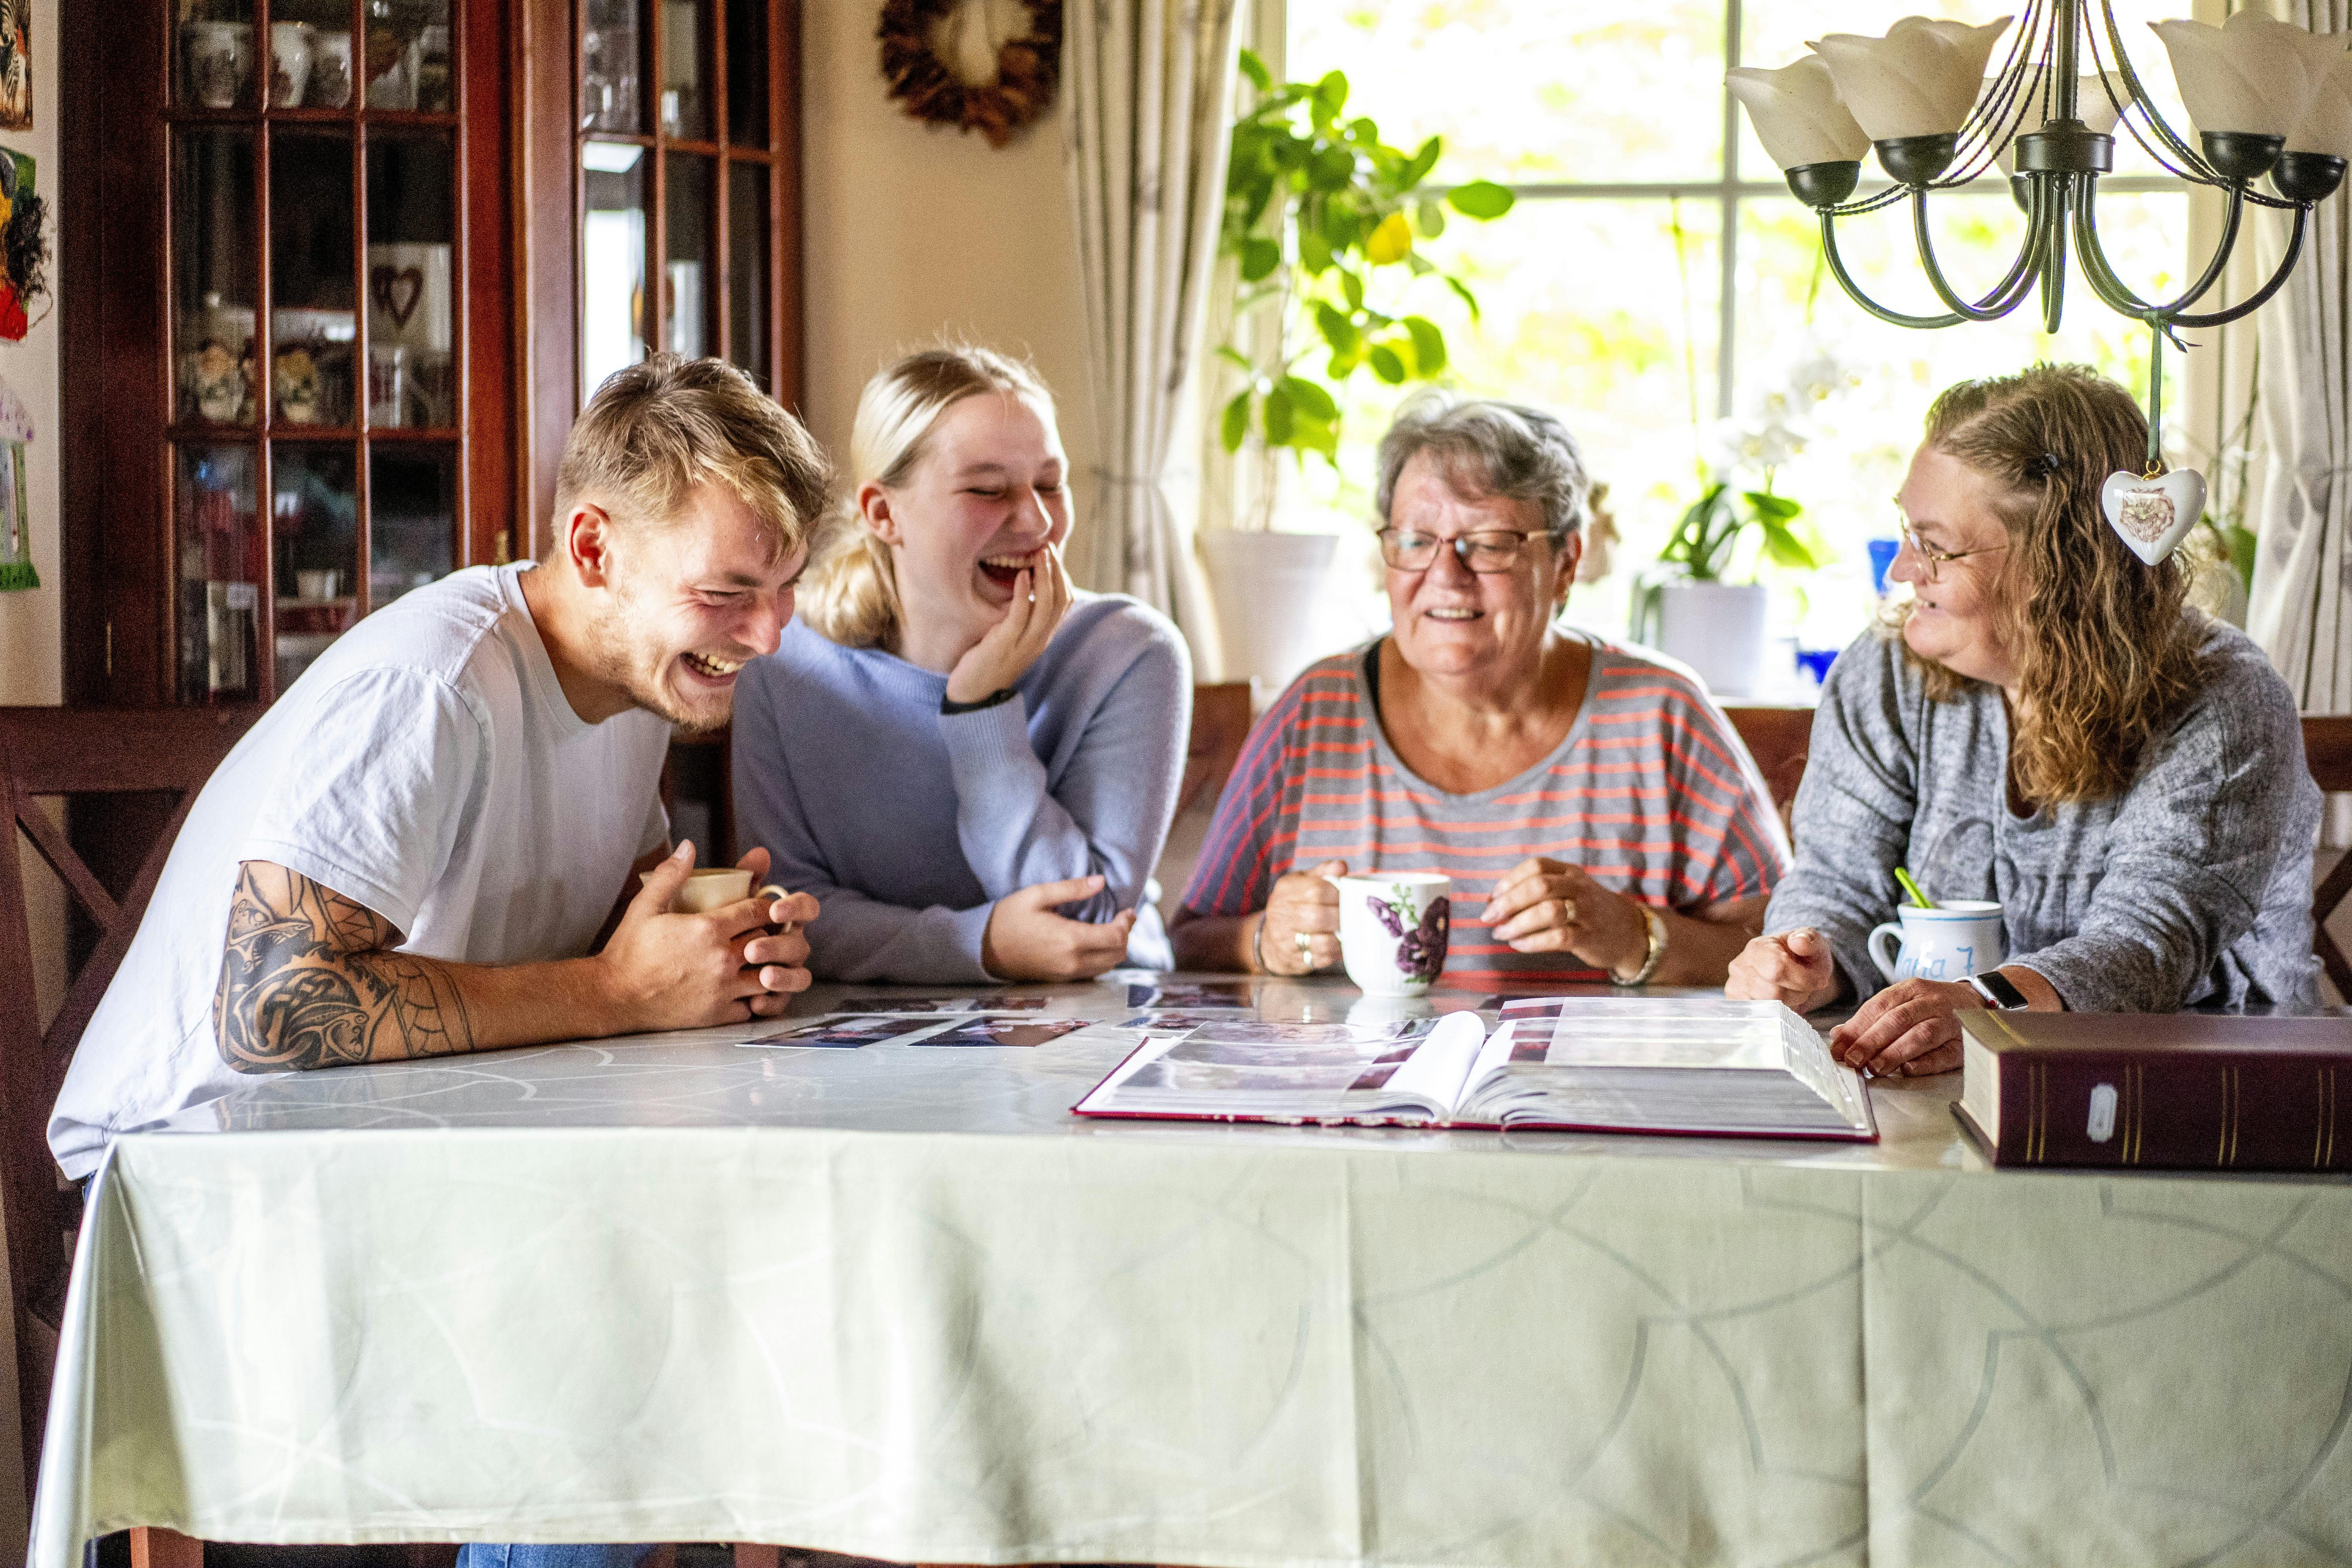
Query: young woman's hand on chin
x=1026, y=939
x=1004, y=653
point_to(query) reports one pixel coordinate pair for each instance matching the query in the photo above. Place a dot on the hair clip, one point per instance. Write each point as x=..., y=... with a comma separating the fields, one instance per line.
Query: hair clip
x=2043, y=467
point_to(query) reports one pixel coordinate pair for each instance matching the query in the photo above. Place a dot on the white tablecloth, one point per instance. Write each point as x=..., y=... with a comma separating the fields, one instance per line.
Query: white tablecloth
x=897, y=1302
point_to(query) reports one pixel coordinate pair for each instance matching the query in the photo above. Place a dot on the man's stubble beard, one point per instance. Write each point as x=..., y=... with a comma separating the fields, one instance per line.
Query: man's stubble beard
x=626, y=659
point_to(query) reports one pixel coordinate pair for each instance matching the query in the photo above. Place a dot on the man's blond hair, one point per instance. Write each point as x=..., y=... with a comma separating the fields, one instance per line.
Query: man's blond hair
x=655, y=431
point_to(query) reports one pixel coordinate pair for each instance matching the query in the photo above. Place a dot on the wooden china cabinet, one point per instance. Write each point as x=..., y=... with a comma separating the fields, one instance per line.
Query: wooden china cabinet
x=336, y=275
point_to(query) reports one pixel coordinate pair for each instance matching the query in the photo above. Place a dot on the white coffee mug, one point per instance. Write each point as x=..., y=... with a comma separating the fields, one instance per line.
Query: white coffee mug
x=1951, y=942
x=1394, y=929
x=716, y=886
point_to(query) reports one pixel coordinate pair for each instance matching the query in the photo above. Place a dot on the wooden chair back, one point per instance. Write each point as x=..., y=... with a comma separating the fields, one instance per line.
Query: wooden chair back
x=1221, y=722
x=72, y=753
x=2327, y=752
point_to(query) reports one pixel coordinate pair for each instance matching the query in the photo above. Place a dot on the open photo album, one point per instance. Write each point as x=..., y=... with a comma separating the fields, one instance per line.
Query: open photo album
x=1679, y=1064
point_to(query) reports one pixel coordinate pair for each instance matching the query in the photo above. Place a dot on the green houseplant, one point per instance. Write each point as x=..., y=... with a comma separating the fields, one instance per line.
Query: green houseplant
x=1324, y=219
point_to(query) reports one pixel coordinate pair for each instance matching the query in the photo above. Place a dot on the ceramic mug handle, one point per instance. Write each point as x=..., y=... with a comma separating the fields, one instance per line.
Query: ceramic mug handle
x=771, y=893
x=1885, y=959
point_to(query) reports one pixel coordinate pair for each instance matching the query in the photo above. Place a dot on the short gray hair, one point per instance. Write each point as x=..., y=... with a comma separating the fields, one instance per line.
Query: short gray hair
x=1491, y=448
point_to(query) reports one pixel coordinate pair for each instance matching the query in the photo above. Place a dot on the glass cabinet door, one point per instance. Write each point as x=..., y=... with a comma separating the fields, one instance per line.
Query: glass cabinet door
x=678, y=185
x=316, y=254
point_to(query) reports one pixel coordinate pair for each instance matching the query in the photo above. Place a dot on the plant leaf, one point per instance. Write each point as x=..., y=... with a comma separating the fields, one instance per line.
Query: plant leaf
x=1234, y=357
x=1330, y=96
x=1386, y=365
x=1337, y=330
x=1280, y=418
x=1461, y=293
x=1771, y=507
x=1784, y=548
x=1428, y=345
x=1259, y=258
x=1254, y=69
x=1351, y=284
x=1234, y=425
x=1417, y=168
x=1390, y=242
x=1311, y=401
x=1314, y=250
x=1481, y=199
x=1429, y=217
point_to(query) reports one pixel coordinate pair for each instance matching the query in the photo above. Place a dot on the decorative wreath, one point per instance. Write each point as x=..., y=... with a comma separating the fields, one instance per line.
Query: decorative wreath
x=1026, y=66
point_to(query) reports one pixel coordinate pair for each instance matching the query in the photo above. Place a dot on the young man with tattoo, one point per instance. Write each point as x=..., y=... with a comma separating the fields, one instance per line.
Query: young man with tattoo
x=413, y=852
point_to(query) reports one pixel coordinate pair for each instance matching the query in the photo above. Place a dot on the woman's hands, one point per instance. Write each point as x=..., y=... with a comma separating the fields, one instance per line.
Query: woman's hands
x=1026, y=939
x=1041, y=598
x=1791, y=967
x=1907, y=1030
x=1546, y=906
x=1299, y=932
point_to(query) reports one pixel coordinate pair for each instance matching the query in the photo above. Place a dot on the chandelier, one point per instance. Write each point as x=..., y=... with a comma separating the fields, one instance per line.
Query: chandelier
x=2266, y=98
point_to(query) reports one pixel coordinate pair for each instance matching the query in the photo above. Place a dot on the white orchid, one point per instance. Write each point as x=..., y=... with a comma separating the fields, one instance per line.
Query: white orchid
x=2254, y=75
x=1797, y=114
x=1920, y=80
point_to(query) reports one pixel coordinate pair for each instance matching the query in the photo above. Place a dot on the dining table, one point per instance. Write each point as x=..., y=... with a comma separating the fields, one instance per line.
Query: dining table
x=895, y=1300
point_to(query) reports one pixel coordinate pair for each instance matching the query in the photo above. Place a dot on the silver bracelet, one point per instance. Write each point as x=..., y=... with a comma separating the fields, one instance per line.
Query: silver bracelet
x=1655, y=931
x=1257, y=948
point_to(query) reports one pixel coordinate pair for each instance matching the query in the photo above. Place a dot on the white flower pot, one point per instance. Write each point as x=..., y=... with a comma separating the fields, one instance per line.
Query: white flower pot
x=1717, y=629
x=1269, y=594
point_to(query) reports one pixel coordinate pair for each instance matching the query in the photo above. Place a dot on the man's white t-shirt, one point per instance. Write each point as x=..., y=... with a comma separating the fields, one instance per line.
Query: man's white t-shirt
x=427, y=766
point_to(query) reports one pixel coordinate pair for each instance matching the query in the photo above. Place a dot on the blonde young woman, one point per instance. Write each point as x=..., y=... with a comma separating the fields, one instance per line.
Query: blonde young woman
x=2052, y=727
x=971, y=763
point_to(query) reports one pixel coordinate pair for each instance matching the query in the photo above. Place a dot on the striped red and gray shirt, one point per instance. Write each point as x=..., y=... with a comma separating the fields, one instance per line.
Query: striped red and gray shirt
x=1650, y=792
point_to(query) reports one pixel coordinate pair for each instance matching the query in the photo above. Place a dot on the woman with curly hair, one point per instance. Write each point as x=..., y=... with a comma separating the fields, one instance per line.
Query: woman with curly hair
x=2046, y=724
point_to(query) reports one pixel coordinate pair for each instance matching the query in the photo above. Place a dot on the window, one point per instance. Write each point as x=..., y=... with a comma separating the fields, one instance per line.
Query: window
x=1656, y=278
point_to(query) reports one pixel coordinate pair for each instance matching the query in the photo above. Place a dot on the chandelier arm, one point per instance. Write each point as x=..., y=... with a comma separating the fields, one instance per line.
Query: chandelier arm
x=2110, y=288
x=2198, y=169
x=2009, y=291
x=2101, y=276
x=2054, y=272
x=1853, y=291
x=1990, y=125
x=2261, y=296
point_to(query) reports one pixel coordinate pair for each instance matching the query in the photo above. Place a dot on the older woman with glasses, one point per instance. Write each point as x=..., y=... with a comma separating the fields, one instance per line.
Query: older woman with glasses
x=1596, y=813
x=2044, y=725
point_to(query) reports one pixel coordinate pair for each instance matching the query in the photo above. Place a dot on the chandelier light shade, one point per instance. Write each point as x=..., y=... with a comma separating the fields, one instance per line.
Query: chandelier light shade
x=1797, y=114
x=1920, y=80
x=2265, y=98
x=2251, y=77
x=2326, y=126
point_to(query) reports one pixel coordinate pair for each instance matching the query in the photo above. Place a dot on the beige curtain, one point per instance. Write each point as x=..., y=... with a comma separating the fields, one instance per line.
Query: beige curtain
x=2302, y=563
x=1147, y=99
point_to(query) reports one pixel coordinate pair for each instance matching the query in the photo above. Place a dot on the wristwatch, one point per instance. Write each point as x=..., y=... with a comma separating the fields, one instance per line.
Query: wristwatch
x=1654, y=950
x=1998, y=992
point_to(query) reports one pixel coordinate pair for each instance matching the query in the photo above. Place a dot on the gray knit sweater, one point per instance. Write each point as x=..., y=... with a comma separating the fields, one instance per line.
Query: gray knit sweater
x=2193, y=887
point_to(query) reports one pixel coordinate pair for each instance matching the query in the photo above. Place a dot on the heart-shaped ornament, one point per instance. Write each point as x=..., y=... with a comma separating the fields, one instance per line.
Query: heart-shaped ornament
x=2153, y=516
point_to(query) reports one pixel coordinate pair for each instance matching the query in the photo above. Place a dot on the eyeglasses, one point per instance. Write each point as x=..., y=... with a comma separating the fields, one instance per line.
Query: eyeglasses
x=1936, y=558
x=1489, y=551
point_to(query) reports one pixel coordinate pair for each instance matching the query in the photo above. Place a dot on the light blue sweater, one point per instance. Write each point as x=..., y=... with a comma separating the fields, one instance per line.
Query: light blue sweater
x=909, y=824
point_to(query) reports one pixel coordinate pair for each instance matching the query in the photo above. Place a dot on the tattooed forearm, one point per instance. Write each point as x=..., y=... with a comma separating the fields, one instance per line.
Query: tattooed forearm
x=306, y=983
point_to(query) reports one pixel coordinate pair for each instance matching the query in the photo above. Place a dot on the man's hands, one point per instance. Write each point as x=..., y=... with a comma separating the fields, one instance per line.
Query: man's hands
x=1546, y=906
x=1004, y=653
x=665, y=971
x=1026, y=939
x=1304, y=904
x=1793, y=967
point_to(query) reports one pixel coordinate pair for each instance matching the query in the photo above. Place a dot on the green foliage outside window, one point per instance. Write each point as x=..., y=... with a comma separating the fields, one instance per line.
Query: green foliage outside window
x=1321, y=215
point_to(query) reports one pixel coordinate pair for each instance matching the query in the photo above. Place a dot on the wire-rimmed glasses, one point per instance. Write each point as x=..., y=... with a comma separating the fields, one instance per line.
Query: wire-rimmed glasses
x=1486, y=551
x=1936, y=558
